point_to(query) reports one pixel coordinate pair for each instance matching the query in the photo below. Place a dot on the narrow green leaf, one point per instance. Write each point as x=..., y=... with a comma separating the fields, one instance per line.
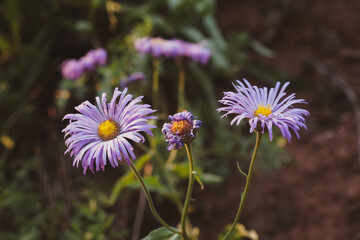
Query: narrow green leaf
x=261, y=49
x=211, y=178
x=213, y=30
x=217, y=55
x=193, y=34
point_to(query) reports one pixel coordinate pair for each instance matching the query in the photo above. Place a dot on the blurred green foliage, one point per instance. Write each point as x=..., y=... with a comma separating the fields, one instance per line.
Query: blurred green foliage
x=41, y=195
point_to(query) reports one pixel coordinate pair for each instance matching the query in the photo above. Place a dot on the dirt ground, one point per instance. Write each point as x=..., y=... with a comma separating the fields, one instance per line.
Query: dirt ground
x=317, y=197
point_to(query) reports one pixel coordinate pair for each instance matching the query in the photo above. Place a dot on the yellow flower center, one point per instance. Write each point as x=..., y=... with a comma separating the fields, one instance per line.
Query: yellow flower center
x=108, y=130
x=263, y=110
x=182, y=127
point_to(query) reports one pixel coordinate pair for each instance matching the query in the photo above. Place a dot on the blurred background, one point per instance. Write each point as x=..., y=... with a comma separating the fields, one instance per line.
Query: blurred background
x=308, y=189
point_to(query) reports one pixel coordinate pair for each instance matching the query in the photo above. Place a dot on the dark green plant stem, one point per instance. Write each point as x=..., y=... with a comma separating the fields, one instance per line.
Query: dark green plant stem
x=155, y=84
x=189, y=191
x=247, y=185
x=151, y=204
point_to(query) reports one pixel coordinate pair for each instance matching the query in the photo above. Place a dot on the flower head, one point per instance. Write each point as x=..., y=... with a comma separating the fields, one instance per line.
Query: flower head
x=174, y=48
x=93, y=59
x=87, y=62
x=99, y=55
x=265, y=109
x=102, y=133
x=182, y=129
x=198, y=52
x=72, y=69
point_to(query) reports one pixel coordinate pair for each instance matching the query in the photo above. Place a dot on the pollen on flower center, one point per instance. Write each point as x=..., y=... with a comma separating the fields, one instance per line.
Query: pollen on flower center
x=182, y=127
x=108, y=130
x=263, y=110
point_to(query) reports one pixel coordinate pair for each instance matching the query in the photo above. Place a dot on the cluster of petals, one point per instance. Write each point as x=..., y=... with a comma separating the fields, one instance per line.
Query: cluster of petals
x=174, y=48
x=136, y=77
x=73, y=69
x=265, y=108
x=83, y=139
x=182, y=129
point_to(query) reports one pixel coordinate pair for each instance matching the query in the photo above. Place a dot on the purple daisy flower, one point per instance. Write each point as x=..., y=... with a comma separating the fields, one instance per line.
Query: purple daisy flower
x=182, y=129
x=102, y=133
x=72, y=69
x=265, y=109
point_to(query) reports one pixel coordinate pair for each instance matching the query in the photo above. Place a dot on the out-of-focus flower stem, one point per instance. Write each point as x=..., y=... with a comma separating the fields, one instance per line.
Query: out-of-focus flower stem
x=155, y=84
x=189, y=191
x=247, y=185
x=181, y=88
x=151, y=204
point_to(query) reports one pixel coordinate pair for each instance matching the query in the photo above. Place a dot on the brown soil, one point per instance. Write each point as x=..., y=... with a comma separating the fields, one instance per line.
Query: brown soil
x=317, y=197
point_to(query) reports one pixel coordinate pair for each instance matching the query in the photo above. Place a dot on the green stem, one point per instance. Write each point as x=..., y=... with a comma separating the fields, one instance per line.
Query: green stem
x=155, y=84
x=247, y=185
x=181, y=100
x=189, y=191
x=151, y=204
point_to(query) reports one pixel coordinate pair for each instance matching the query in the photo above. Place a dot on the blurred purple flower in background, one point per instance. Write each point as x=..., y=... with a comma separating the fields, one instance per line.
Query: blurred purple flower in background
x=182, y=129
x=142, y=45
x=133, y=78
x=265, y=109
x=99, y=55
x=198, y=53
x=159, y=47
x=74, y=69
x=101, y=133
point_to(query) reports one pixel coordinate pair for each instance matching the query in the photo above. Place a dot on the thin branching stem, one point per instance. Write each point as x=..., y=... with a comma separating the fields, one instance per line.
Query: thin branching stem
x=151, y=204
x=189, y=191
x=247, y=185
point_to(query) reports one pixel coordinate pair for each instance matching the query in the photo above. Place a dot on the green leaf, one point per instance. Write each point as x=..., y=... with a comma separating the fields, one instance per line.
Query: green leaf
x=128, y=178
x=153, y=184
x=240, y=233
x=162, y=234
x=173, y=4
x=211, y=178
x=83, y=26
x=261, y=49
x=214, y=32
x=193, y=34
x=182, y=169
x=217, y=55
